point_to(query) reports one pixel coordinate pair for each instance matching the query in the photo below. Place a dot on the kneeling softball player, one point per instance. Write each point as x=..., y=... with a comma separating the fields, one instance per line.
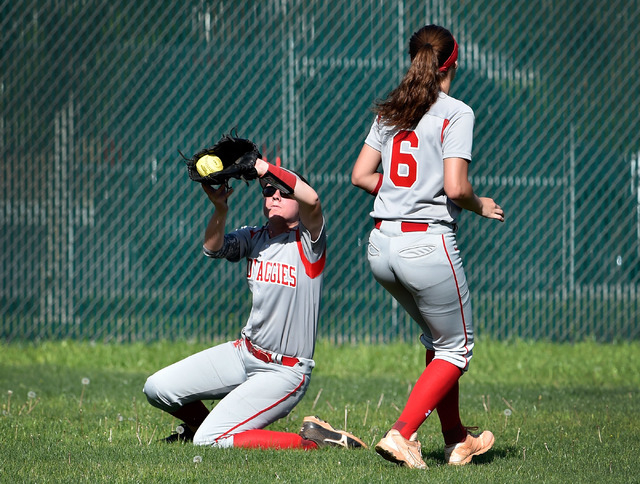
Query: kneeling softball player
x=260, y=377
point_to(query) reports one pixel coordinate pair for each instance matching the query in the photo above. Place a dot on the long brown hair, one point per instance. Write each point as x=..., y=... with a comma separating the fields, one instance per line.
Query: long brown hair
x=430, y=48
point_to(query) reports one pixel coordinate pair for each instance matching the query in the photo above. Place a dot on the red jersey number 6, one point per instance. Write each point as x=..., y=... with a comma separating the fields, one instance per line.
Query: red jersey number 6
x=404, y=167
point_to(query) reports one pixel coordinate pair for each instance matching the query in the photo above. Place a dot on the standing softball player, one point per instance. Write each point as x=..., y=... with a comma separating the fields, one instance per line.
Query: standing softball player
x=260, y=377
x=422, y=138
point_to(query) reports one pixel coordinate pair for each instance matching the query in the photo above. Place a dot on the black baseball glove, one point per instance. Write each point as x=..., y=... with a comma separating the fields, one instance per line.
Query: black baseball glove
x=230, y=157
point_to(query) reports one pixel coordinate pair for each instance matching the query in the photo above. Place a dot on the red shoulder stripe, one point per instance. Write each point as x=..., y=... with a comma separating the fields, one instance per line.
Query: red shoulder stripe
x=313, y=269
x=444, y=125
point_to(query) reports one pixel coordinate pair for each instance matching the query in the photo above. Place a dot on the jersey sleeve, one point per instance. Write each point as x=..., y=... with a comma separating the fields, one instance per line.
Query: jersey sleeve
x=313, y=253
x=236, y=245
x=457, y=141
x=374, y=138
x=313, y=249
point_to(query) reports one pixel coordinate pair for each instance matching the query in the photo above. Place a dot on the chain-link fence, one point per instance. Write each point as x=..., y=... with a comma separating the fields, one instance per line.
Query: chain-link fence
x=102, y=230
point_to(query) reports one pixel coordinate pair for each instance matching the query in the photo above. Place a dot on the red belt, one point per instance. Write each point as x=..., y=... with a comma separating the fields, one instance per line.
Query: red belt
x=269, y=357
x=407, y=226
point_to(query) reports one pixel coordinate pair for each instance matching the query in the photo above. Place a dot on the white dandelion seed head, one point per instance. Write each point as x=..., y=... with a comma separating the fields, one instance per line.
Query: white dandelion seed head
x=31, y=394
x=197, y=459
x=180, y=429
x=85, y=381
x=507, y=412
x=120, y=418
x=10, y=392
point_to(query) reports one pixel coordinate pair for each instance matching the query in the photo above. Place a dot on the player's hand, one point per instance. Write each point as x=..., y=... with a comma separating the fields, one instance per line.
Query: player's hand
x=490, y=209
x=218, y=196
x=261, y=167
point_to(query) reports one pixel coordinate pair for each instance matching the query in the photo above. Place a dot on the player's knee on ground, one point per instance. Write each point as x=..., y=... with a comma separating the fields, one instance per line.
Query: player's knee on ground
x=202, y=437
x=157, y=397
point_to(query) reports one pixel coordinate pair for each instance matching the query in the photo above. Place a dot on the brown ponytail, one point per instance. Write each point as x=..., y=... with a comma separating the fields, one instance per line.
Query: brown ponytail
x=430, y=48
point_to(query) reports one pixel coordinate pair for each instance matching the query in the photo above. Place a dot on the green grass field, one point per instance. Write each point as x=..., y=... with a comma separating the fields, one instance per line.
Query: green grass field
x=560, y=413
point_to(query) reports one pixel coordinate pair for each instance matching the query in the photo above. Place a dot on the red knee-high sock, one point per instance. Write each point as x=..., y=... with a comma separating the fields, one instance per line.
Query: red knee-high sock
x=437, y=379
x=271, y=439
x=449, y=413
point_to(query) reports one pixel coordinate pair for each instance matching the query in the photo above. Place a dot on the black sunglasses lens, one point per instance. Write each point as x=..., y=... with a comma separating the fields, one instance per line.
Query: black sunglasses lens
x=269, y=191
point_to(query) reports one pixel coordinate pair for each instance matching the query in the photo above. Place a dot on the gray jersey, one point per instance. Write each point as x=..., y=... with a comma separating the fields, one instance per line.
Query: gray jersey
x=285, y=275
x=412, y=162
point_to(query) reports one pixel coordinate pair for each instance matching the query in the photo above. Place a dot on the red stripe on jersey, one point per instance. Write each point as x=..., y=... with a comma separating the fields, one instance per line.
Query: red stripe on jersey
x=464, y=323
x=444, y=125
x=313, y=269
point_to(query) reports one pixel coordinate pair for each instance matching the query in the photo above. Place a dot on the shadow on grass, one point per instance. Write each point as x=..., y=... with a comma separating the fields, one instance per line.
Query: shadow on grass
x=500, y=453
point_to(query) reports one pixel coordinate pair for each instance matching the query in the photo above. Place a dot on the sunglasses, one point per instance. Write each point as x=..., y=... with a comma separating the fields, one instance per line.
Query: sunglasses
x=270, y=191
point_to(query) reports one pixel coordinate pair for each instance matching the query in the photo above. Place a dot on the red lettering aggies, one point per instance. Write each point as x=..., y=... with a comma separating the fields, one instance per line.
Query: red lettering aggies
x=272, y=272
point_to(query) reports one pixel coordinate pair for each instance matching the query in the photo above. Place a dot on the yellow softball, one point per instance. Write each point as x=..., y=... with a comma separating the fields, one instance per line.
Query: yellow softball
x=209, y=164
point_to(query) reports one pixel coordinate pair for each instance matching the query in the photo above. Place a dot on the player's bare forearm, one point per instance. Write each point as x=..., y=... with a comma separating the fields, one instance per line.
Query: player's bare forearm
x=483, y=206
x=364, y=174
x=214, y=233
x=310, y=208
x=468, y=201
x=368, y=183
x=459, y=190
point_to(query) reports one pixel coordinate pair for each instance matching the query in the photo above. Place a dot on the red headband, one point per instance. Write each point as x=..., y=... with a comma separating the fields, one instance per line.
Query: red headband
x=452, y=58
